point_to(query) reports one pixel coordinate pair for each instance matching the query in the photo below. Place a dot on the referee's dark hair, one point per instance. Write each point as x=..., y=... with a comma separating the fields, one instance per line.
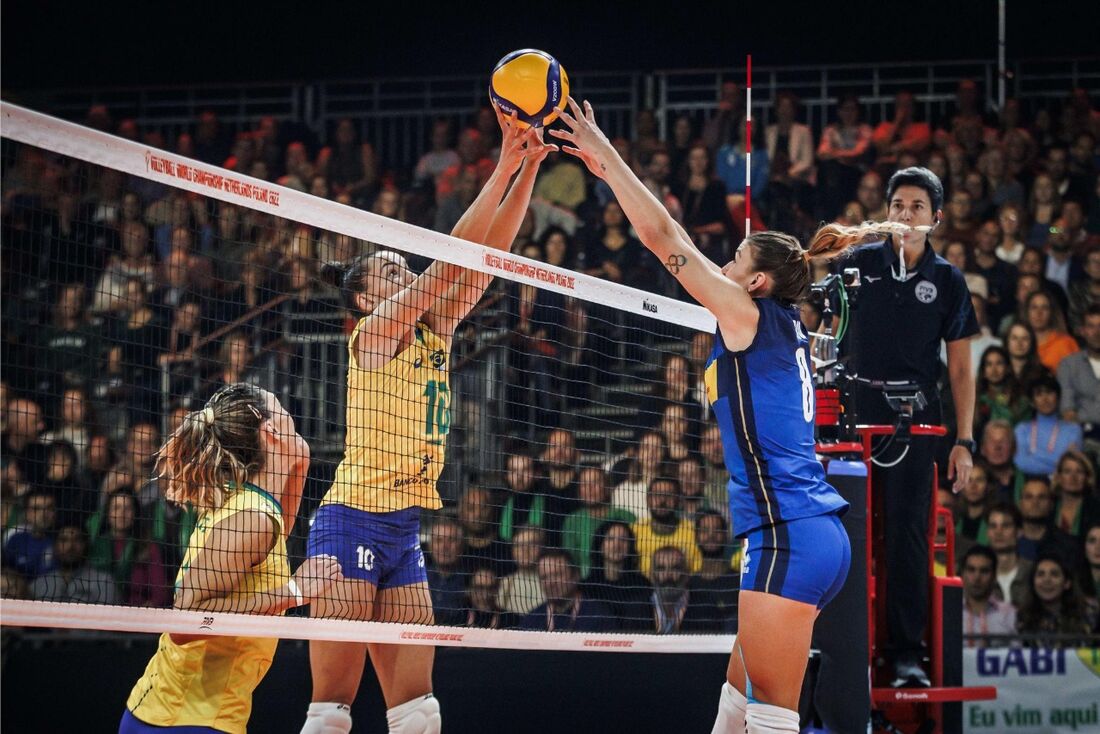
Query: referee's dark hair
x=921, y=178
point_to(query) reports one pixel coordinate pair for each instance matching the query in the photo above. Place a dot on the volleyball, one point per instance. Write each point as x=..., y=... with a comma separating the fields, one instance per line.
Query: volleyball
x=530, y=83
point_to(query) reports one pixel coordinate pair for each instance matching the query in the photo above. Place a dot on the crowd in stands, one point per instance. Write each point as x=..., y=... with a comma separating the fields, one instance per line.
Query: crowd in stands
x=127, y=303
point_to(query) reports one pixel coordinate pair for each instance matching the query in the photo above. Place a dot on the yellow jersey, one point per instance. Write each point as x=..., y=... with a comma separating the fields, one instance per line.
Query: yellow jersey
x=210, y=682
x=398, y=417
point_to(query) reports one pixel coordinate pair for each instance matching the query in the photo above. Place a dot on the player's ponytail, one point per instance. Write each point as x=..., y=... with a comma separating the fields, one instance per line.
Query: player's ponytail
x=216, y=446
x=833, y=240
x=782, y=257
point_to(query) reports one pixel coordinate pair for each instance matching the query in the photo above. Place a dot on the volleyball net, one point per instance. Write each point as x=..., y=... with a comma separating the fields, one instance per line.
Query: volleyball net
x=582, y=478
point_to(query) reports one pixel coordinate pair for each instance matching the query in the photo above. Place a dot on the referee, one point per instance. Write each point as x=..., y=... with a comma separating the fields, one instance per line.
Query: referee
x=910, y=299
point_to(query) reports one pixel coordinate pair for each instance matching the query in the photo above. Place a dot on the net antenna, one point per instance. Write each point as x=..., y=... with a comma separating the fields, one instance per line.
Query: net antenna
x=748, y=145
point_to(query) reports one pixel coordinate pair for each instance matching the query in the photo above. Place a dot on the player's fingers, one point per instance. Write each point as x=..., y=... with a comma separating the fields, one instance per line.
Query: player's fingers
x=588, y=112
x=563, y=135
x=568, y=119
x=576, y=108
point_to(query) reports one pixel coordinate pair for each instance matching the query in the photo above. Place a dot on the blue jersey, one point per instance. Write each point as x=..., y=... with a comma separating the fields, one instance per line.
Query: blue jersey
x=763, y=399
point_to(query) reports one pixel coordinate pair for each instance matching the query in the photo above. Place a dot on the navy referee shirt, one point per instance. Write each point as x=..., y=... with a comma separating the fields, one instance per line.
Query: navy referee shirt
x=896, y=328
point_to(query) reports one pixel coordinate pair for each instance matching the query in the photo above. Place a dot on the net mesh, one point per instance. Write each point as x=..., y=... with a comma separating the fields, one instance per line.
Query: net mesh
x=580, y=477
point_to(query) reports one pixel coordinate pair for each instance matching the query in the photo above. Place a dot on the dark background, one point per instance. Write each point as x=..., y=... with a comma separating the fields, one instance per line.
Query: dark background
x=56, y=43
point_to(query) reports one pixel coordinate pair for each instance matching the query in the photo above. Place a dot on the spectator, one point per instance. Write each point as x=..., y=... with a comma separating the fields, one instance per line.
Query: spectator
x=69, y=347
x=683, y=137
x=1038, y=534
x=715, y=588
x=472, y=157
x=1025, y=286
x=119, y=549
x=1091, y=569
x=972, y=506
x=702, y=197
x=717, y=475
x=141, y=337
x=1034, y=262
x=1054, y=605
x=183, y=339
x=136, y=261
x=12, y=585
x=983, y=613
x=1000, y=395
x=612, y=252
x=20, y=445
x=477, y=515
x=446, y=577
x=559, y=464
x=440, y=157
x=135, y=466
x=901, y=135
x=1023, y=354
x=234, y=364
x=74, y=496
x=561, y=182
x=1041, y=440
x=1084, y=293
x=665, y=527
x=790, y=148
x=680, y=434
x=1061, y=265
x=693, y=499
x=673, y=607
x=566, y=608
x=74, y=580
x=842, y=156
x=1043, y=207
x=658, y=179
x=1000, y=275
x=482, y=599
x=871, y=196
x=579, y=530
x=73, y=424
x=527, y=497
x=675, y=389
x=209, y=144
x=349, y=166
x=1079, y=376
x=615, y=579
x=1013, y=571
x=1003, y=188
x=1077, y=506
x=30, y=550
x=728, y=119
x=646, y=464
x=1011, y=247
x=958, y=224
x=520, y=591
x=997, y=449
x=452, y=206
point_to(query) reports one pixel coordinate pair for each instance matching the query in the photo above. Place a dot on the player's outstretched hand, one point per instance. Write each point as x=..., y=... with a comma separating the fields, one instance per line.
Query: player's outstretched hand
x=537, y=149
x=588, y=141
x=317, y=575
x=513, y=139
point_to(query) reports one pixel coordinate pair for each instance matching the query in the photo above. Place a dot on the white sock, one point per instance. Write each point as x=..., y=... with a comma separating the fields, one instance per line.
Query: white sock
x=762, y=718
x=731, y=711
x=327, y=718
x=418, y=716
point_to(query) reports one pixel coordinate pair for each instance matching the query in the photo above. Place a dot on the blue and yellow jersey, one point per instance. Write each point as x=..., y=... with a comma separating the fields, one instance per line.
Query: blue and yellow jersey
x=398, y=417
x=763, y=400
x=210, y=682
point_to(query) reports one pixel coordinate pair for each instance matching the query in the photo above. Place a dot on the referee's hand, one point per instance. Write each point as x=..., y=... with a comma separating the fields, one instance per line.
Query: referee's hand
x=959, y=465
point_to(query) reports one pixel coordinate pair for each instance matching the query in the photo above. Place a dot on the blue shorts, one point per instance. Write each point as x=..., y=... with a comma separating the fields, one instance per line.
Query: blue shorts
x=131, y=724
x=380, y=547
x=805, y=560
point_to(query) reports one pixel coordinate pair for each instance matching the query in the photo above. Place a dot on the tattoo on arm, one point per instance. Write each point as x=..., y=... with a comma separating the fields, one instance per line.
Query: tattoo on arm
x=676, y=262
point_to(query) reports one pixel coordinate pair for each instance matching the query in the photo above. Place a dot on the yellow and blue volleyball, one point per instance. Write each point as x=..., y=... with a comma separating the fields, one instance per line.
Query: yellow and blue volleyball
x=530, y=83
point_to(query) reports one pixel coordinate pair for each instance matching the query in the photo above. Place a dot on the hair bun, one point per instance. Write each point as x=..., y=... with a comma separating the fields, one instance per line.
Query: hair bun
x=333, y=273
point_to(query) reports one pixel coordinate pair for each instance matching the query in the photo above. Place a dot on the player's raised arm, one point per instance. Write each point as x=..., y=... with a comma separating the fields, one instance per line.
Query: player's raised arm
x=449, y=310
x=656, y=228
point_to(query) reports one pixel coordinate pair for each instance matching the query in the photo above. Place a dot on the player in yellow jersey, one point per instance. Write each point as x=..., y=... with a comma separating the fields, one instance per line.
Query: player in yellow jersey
x=397, y=422
x=241, y=462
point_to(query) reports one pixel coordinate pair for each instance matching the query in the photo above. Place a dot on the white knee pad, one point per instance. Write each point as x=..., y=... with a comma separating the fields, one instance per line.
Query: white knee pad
x=418, y=716
x=327, y=718
x=761, y=718
x=731, y=711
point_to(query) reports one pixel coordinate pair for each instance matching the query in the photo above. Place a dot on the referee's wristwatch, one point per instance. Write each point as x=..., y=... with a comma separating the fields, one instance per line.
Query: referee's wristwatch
x=968, y=444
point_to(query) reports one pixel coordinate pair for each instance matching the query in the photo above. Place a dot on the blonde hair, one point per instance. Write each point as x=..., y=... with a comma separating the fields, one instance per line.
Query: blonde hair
x=214, y=448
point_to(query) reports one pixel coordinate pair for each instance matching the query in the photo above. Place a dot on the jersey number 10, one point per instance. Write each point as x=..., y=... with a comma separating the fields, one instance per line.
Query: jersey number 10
x=437, y=416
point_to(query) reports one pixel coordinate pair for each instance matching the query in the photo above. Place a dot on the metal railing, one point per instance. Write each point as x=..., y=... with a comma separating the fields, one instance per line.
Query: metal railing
x=395, y=114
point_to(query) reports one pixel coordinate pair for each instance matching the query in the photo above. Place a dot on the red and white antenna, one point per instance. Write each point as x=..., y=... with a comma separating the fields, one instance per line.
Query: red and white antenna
x=748, y=144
